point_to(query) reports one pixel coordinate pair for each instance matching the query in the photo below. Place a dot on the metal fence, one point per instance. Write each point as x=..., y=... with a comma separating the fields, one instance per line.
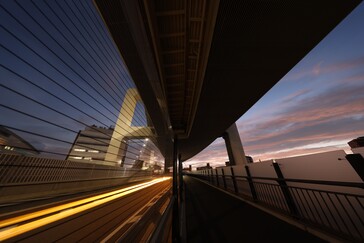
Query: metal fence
x=334, y=207
x=21, y=170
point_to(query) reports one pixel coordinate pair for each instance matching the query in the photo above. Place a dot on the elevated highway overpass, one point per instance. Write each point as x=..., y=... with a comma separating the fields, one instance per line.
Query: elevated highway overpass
x=177, y=74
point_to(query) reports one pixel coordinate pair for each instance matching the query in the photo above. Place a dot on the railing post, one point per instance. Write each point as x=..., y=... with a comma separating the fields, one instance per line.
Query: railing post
x=212, y=177
x=251, y=184
x=287, y=194
x=175, y=216
x=217, y=178
x=181, y=209
x=180, y=177
x=223, y=178
x=234, y=180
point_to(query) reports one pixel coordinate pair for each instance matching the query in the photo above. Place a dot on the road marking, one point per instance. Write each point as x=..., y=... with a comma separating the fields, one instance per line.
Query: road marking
x=150, y=204
x=136, y=218
x=128, y=220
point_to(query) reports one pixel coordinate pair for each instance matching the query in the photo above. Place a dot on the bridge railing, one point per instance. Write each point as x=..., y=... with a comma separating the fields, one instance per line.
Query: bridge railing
x=333, y=207
x=16, y=169
x=23, y=178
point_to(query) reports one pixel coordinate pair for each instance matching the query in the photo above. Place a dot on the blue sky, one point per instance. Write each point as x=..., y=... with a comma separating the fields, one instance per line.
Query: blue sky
x=317, y=106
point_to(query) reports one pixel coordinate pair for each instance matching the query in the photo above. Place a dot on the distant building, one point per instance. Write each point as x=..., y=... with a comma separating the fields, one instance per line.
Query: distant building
x=157, y=167
x=189, y=168
x=138, y=164
x=249, y=159
x=357, y=142
x=357, y=145
x=204, y=167
x=11, y=143
x=91, y=145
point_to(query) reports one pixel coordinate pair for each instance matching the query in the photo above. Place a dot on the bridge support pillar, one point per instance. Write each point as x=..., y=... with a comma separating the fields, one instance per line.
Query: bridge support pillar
x=234, y=146
x=175, y=216
x=122, y=127
x=124, y=130
x=151, y=161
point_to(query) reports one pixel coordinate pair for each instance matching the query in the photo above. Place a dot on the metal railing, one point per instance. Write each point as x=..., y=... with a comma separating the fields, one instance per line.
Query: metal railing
x=334, y=207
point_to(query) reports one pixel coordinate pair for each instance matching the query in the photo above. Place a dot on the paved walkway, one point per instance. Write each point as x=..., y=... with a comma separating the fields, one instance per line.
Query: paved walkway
x=214, y=216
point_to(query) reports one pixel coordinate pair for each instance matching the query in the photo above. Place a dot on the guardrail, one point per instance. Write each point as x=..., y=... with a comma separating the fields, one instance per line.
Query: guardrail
x=15, y=170
x=334, y=207
x=28, y=178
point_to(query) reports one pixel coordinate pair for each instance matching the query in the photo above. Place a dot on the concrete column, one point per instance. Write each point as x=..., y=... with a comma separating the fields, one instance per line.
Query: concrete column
x=234, y=146
x=122, y=152
x=151, y=158
x=123, y=127
x=168, y=162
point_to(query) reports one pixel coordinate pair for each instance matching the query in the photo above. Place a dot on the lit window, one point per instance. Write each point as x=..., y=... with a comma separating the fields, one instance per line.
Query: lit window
x=80, y=150
x=76, y=157
x=93, y=151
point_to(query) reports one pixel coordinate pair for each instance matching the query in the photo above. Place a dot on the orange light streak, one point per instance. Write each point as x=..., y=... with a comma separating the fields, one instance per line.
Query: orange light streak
x=66, y=210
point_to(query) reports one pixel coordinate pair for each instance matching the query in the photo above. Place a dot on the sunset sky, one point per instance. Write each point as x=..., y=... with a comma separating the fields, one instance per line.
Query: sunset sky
x=317, y=106
x=58, y=64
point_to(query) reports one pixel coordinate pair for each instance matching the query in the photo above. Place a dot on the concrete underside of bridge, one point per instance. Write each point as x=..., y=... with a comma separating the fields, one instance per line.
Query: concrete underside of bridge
x=200, y=65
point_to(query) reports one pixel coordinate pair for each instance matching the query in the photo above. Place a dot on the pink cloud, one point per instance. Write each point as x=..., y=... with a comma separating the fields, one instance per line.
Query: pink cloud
x=336, y=114
x=297, y=123
x=286, y=126
x=295, y=95
x=328, y=143
x=317, y=69
x=320, y=68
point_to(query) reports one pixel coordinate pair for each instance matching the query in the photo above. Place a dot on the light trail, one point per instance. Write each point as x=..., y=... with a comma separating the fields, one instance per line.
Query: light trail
x=44, y=212
x=67, y=210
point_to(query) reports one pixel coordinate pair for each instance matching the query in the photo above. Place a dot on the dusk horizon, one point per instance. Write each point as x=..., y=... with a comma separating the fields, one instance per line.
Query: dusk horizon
x=317, y=106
